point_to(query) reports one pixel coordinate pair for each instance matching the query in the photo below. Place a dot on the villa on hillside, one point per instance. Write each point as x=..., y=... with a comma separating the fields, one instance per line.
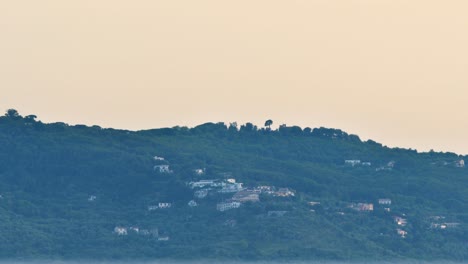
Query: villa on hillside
x=227, y=205
x=232, y=187
x=203, y=183
x=162, y=169
x=199, y=171
x=246, y=196
x=352, y=162
x=362, y=207
x=400, y=220
x=402, y=233
x=121, y=231
x=158, y=158
x=385, y=201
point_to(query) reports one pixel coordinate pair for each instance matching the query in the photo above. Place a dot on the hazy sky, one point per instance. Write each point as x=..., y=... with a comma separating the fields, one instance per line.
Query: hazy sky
x=395, y=71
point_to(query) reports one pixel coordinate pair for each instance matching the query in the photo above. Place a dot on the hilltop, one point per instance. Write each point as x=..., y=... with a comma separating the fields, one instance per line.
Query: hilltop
x=223, y=191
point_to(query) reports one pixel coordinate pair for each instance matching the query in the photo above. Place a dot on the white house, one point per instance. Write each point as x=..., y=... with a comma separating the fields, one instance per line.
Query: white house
x=402, y=233
x=164, y=205
x=121, y=231
x=352, y=162
x=162, y=168
x=231, y=180
x=400, y=220
x=199, y=171
x=265, y=189
x=362, y=207
x=385, y=201
x=158, y=158
x=449, y=225
x=202, y=183
x=234, y=187
x=224, y=206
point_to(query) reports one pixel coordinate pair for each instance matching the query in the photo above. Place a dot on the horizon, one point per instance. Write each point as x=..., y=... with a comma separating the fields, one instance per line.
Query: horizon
x=390, y=71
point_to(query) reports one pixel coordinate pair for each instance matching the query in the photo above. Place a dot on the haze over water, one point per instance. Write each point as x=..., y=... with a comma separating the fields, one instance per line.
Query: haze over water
x=230, y=262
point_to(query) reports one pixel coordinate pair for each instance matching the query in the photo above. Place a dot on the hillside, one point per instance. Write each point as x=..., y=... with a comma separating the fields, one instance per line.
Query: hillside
x=225, y=192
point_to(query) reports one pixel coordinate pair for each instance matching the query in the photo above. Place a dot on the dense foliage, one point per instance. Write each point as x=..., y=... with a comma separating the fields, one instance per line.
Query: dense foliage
x=65, y=188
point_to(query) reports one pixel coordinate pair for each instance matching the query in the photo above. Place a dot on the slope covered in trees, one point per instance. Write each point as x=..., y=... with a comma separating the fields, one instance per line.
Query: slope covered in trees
x=85, y=192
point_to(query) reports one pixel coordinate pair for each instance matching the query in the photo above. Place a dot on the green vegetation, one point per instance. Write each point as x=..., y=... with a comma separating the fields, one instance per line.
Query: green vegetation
x=65, y=188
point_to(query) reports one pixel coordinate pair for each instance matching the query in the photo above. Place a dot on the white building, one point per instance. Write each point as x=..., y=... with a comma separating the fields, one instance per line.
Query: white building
x=234, y=187
x=265, y=189
x=352, y=162
x=203, y=183
x=362, y=207
x=158, y=158
x=400, y=220
x=224, y=206
x=402, y=233
x=164, y=205
x=199, y=171
x=121, y=231
x=385, y=201
x=162, y=168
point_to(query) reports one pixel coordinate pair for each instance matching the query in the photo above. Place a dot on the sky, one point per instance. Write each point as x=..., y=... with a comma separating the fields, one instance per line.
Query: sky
x=395, y=71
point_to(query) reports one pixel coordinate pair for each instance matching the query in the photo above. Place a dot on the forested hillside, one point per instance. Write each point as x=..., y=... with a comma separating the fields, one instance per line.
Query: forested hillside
x=224, y=191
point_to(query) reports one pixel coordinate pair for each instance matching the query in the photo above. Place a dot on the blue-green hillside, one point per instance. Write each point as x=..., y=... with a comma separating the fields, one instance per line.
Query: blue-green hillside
x=223, y=191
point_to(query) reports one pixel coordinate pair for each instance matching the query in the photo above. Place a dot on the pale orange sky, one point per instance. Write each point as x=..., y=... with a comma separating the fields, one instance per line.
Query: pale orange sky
x=395, y=71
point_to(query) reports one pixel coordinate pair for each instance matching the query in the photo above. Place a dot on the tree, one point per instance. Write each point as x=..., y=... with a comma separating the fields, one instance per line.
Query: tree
x=12, y=113
x=248, y=127
x=268, y=123
x=233, y=126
